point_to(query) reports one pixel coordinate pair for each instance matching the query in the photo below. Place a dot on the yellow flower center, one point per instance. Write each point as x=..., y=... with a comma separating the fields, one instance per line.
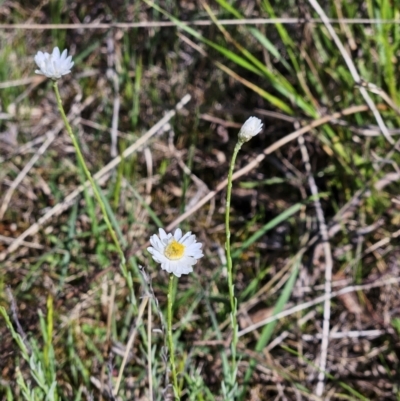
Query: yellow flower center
x=174, y=250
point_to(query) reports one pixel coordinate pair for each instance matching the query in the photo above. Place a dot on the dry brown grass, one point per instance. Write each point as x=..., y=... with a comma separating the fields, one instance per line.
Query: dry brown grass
x=70, y=258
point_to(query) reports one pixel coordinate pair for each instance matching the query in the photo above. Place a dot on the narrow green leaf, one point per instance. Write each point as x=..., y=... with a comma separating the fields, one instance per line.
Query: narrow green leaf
x=228, y=7
x=282, y=301
x=271, y=224
x=269, y=328
x=270, y=47
x=113, y=219
x=328, y=375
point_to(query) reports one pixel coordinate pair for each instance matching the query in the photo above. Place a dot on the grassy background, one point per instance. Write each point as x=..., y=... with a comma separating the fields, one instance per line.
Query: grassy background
x=64, y=287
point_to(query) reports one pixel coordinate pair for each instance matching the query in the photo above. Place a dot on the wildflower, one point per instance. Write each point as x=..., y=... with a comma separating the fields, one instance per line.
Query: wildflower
x=250, y=128
x=176, y=254
x=54, y=65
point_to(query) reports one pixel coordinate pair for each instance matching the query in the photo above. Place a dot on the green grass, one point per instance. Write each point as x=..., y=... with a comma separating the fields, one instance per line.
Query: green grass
x=70, y=343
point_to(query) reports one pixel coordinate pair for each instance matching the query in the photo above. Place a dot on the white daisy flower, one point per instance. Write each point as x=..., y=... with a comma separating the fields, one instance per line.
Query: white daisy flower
x=176, y=254
x=250, y=128
x=53, y=65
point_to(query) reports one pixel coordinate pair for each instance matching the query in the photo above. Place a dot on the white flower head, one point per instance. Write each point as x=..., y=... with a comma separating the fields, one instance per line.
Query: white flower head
x=176, y=253
x=250, y=128
x=53, y=65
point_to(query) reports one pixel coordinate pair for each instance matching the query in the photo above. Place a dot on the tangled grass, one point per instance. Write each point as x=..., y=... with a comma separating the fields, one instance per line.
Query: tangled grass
x=314, y=213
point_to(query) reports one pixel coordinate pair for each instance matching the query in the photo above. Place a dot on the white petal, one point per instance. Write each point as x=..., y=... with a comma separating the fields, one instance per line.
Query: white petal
x=178, y=234
x=69, y=62
x=188, y=261
x=191, y=254
x=156, y=242
x=164, y=236
x=185, y=237
x=166, y=265
x=56, y=53
x=194, y=247
x=250, y=128
x=64, y=55
x=188, y=241
x=197, y=254
x=53, y=65
x=39, y=58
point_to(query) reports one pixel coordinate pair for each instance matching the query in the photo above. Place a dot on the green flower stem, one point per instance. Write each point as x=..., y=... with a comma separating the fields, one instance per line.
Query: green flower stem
x=232, y=298
x=88, y=175
x=169, y=335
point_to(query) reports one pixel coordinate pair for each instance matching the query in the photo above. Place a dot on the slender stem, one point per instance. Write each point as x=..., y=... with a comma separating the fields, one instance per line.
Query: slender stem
x=229, y=262
x=88, y=175
x=227, y=229
x=169, y=335
x=149, y=365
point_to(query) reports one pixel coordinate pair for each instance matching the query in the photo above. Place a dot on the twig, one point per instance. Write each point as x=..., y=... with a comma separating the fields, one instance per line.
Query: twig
x=346, y=334
x=316, y=301
x=353, y=70
x=149, y=179
x=328, y=267
x=70, y=199
x=164, y=350
x=109, y=383
x=113, y=77
x=49, y=140
x=163, y=24
x=257, y=160
x=201, y=185
x=130, y=344
x=106, y=354
x=14, y=313
x=23, y=81
x=26, y=147
x=380, y=92
x=22, y=174
x=33, y=245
